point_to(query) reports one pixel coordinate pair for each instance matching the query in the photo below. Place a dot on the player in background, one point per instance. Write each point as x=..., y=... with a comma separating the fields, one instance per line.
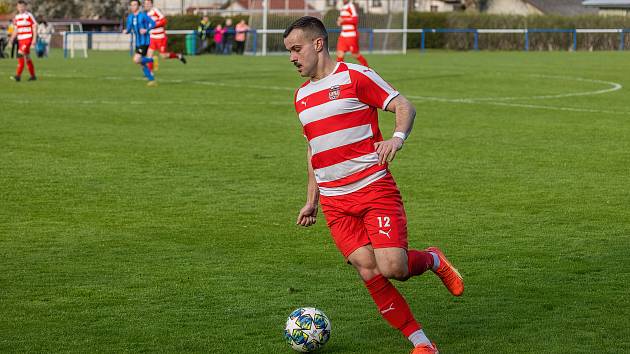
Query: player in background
x=349, y=37
x=347, y=164
x=139, y=25
x=25, y=30
x=158, y=40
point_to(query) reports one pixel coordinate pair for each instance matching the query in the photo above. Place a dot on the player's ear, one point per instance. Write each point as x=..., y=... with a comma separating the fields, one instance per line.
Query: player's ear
x=319, y=44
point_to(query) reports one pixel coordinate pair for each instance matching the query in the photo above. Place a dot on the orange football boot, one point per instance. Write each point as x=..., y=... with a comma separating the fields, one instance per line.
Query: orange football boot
x=449, y=274
x=425, y=349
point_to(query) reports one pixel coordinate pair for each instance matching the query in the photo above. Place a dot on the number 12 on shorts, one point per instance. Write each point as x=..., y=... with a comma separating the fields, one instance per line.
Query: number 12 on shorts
x=383, y=221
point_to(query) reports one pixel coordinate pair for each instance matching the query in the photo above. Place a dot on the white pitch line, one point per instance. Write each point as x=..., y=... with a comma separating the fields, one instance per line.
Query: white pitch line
x=520, y=105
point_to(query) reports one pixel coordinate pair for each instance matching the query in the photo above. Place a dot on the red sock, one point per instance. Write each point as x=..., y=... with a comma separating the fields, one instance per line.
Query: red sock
x=362, y=60
x=20, y=66
x=150, y=66
x=31, y=68
x=339, y=58
x=173, y=56
x=419, y=262
x=392, y=305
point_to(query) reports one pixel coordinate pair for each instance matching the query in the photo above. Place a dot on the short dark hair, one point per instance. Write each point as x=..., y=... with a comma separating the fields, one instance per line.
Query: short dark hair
x=138, y=1
x=22, y=2
x=309, y=24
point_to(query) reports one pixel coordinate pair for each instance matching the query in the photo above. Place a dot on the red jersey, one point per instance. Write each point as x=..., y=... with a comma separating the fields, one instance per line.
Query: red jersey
x=349, y=20
x=340, y=120
x=23, y=24
x=159, y=31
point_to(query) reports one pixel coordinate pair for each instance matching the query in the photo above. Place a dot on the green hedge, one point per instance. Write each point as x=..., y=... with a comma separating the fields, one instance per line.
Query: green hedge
x=537, y=41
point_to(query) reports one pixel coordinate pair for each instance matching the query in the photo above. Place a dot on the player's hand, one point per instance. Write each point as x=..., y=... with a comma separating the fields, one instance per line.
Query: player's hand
x=339, y=21
x=387, y=149
x=308, y=215
x=143, y=31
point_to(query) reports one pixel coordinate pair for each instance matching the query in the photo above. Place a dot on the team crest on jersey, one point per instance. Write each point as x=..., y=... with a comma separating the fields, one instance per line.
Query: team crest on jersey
x=333, y=93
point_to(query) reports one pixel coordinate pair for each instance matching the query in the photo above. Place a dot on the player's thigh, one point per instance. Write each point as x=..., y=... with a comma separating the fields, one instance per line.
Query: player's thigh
x=348, y=231
x=150, y=52
x=386, y=222
x=24, y=47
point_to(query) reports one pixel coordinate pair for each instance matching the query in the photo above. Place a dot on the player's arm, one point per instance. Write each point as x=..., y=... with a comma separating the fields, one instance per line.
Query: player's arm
x=350, y=20
x=129, y=22
x=405, y=116
x=34, y=28
x=308, y=213
x=161, y=22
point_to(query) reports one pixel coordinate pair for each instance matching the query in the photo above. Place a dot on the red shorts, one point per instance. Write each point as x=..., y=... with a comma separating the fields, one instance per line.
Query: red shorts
x=348, y=44
x=158, y=44
x=373, y=215
x=24, y=46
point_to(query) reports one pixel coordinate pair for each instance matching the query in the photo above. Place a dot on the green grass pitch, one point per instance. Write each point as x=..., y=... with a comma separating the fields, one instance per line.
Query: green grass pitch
x=137, y=219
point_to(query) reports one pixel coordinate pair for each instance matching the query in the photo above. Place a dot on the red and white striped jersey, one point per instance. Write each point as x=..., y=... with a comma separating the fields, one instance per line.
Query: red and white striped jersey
x=23, y=24
x=349, y=20
x=159, y=31
x=340, y=120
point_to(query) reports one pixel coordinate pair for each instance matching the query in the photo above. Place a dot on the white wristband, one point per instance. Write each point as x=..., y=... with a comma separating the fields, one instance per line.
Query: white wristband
x=401, y=135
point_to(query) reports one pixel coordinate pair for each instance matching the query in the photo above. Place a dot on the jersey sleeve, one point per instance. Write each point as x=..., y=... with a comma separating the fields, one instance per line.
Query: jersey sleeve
x=161, y=21
x=372, y=89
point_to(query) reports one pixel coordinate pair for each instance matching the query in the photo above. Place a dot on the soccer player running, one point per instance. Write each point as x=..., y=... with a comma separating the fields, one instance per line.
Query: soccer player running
x=349, y=38
x=25, y=30
x=348, y=174
x=139, y=24
x=158, y=40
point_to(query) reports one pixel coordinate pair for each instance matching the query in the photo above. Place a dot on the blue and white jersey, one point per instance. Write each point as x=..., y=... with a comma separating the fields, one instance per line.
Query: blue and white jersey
x=136, y=22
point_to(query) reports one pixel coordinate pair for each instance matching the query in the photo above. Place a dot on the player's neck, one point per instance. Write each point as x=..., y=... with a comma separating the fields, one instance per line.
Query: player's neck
x=325, y=67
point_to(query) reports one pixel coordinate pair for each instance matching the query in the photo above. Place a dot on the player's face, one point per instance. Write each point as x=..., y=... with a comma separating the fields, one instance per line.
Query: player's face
x=134, y=6
x=302, y=52
x=21, y=7
x=148, y=5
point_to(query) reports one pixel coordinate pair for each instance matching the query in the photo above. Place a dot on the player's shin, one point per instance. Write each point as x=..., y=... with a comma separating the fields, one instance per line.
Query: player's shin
x=30, y=66
x=147, y=72
x=20, y=66
x=362, y=60
x=392, y=306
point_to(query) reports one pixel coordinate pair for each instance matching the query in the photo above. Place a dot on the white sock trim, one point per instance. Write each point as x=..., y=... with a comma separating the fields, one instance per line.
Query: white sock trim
x=419, y=338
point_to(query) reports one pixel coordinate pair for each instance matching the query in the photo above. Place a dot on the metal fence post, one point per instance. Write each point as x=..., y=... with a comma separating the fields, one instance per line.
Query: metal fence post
x=575, y=40
x=526, y=40
x=476, y=45
x=422, y=41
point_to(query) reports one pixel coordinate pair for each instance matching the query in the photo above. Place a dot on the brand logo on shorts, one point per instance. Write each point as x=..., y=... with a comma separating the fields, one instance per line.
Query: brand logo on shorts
x=333, y=93
x=386, y=233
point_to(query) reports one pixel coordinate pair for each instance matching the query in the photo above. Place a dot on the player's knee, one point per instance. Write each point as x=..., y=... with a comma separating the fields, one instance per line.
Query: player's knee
x=367, y=273
x=394, y=270
x=20, y=55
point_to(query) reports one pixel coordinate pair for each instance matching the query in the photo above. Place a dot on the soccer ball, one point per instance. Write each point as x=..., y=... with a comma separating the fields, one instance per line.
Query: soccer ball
x=307, y=329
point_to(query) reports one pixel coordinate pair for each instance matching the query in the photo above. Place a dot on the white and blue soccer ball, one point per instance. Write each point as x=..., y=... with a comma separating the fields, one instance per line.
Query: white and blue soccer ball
x=307, y=329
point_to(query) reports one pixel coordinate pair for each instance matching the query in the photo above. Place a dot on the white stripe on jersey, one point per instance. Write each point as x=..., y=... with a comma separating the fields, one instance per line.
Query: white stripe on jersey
x=348, y=34
x=352, y=187
x=347, y=27
x=340, y=138
x=342, y=78
x=331, y=108
x=345, y=168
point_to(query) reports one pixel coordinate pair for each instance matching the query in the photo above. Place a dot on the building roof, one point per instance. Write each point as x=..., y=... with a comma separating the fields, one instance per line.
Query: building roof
x=276, y=5
x=615, y=4
x=562, y=7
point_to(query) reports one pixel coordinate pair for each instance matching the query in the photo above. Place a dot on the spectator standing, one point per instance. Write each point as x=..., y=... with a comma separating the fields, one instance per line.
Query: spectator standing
x=241, y=34
x=202, y=31
x=4, y=40
x=14, y=43
x=218, y=39
x=44, y=36
x=228, y=37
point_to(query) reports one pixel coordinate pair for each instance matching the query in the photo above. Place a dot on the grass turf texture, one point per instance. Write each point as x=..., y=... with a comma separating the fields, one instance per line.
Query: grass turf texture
x=162, y=219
